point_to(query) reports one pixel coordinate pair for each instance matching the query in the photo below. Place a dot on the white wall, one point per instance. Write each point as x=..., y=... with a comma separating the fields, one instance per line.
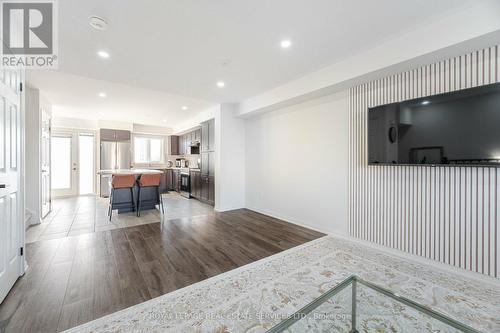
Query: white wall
x=230, y=159
x=297, y=163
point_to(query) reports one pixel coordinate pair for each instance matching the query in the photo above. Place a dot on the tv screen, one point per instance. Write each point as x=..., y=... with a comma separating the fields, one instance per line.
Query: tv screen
x=457, y=128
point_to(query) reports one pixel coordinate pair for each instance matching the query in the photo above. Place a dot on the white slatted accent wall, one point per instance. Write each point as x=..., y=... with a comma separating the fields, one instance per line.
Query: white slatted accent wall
x=449, y=214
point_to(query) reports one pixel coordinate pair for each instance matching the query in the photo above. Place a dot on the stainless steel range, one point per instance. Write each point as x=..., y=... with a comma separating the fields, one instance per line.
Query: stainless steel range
x=185, y=188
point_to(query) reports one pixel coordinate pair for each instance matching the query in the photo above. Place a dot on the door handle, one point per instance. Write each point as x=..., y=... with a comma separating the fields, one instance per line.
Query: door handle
x=4, y=185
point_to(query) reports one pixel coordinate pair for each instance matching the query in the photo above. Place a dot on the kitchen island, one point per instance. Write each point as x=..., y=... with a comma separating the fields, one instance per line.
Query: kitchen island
x=137, y=172
x=123, y=195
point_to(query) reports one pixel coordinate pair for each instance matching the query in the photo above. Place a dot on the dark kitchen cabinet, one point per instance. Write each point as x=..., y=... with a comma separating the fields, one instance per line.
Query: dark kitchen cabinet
x=169, y=176
x=176, y=180
x=122, y=135
x=211, y=190
x=163, y=182
x=204, y=188
x=174, y=145
x=187, y=143
x=211, y=164
x=180, y=145
x=208, y=163
x=207, y=189
x=204, y=163
x=197, y=135
x=204, y=136
x=114, y=135
x=107, y=134
x=208, y=135
x=184, y=145
x=195, y=177
x=211, y=135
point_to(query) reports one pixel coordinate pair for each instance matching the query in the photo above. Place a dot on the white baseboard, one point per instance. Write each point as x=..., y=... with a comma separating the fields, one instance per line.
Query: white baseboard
x=395, y=252
x=227, y=209
x=284, y=218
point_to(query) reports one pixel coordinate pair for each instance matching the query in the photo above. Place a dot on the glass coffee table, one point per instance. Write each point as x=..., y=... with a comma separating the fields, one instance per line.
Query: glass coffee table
x=356, y=305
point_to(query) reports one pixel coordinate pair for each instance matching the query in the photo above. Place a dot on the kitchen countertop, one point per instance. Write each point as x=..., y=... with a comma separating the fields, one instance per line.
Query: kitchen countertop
x=128, y=172
x=170, y=168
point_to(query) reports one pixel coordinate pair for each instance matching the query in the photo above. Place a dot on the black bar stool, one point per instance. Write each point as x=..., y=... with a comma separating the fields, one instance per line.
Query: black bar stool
x=149, y=181
x=120, y=182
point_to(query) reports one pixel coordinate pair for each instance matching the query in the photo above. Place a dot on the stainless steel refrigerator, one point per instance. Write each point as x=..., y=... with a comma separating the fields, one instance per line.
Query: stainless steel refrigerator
x=114, y=155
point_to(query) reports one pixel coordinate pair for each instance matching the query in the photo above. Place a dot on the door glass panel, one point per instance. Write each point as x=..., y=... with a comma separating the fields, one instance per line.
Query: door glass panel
x=86, y=163
x=61, y=163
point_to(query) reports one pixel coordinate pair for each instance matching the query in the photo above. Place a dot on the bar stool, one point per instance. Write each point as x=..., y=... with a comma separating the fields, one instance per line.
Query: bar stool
x=121, y=182
x=149, y=181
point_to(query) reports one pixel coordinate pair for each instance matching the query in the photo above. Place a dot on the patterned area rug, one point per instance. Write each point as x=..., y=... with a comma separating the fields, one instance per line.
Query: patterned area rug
x=255, y=297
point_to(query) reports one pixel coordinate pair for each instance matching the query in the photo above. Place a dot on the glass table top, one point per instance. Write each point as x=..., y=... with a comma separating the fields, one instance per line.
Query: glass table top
x=356, y=305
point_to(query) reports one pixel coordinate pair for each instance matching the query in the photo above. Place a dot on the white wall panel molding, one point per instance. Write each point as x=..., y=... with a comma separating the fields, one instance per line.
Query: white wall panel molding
x=449, y=214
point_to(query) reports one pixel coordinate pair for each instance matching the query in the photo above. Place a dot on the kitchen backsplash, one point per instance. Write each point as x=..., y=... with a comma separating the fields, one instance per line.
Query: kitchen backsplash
x=192, y=159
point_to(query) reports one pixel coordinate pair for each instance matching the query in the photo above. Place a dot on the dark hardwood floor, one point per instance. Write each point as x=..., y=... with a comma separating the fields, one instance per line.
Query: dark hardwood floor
x=73, y=280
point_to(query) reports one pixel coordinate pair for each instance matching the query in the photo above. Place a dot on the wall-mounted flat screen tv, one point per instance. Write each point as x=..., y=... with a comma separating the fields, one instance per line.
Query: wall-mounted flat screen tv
x=458, y=128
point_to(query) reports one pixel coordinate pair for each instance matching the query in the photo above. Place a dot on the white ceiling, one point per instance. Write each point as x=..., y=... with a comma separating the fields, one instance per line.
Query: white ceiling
x=77, y=97
x=178, y=47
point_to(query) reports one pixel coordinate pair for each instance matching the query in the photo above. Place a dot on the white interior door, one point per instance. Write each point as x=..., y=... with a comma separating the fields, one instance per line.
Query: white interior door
x=11, y=215
x=45, y=160
x=64, y=163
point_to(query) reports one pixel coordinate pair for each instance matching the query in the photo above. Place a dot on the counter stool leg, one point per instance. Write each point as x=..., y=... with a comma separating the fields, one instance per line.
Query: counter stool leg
x=160, y=203
x=134, y=206
x=111, y=199
x=138, y=201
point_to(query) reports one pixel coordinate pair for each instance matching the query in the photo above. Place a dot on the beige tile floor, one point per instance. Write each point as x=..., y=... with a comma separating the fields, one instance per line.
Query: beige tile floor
x=86, y=214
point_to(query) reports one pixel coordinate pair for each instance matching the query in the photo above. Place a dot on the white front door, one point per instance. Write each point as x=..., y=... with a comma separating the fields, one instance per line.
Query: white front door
x=45, y=160
x=11, y=215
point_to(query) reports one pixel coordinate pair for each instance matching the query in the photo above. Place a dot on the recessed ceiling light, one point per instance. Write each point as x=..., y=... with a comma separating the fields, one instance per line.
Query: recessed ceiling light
x=103, y=54
x=425, y=102
x=102, y=95
x=220, y=84
x=184, y=108
x=286, y=43
x=164, y=120
x=98, y=23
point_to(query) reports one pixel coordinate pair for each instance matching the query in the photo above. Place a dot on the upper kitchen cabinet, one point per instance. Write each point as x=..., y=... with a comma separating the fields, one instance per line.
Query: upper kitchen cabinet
x=122, y=135
x=114, y=135
x=185, y=144
x=173, y=145
x=107, y=134
x=197, y=135
x=208, y=136
x=182, y=145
